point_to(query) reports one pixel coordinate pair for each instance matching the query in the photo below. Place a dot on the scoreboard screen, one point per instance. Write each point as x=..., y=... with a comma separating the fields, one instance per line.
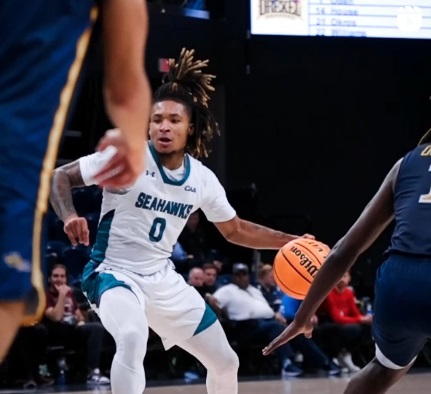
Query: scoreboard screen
x=348, y=18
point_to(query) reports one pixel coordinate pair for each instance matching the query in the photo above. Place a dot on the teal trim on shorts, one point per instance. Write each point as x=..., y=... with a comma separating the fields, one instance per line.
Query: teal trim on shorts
x=208, y=319
x=94, y=284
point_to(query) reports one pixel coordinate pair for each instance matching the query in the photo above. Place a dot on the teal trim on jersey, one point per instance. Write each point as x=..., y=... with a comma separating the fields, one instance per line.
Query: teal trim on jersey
x=162, y=171
x=208, y=319
x=94, y=284
x=99, y=248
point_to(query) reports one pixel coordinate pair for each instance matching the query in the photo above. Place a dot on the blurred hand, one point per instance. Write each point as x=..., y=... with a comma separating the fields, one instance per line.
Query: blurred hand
x=63, y=289
x=76, y=229
x=367, y=319
x=279, y=317
x=125, y=166
x=293, y=329
x=309, y=236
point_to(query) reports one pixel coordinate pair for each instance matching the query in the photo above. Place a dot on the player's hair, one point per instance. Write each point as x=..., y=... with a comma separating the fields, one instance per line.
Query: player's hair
x=186, y=83
x=426, y=138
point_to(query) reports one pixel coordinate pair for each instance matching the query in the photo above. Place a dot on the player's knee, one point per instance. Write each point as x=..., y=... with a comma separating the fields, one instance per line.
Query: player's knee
x=133, y=341
x=229, y=363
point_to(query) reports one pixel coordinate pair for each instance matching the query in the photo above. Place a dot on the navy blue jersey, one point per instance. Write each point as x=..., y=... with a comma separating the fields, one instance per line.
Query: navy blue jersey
x=37, y=48
x=412, y=204
x=42, y=47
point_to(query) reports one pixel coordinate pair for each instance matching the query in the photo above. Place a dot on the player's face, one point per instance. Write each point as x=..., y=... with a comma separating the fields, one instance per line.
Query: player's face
x=169, y=126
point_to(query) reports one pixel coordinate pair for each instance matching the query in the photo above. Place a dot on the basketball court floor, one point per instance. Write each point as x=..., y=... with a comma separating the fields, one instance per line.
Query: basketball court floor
x=415, y=383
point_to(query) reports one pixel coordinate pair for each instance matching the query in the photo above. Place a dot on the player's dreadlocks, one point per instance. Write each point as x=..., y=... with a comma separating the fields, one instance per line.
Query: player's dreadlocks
x=185, y=82
x=426, y=138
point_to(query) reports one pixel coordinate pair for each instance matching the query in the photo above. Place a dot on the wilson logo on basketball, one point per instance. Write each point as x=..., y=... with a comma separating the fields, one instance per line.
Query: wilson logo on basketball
x=297, y=263
x=305, y=261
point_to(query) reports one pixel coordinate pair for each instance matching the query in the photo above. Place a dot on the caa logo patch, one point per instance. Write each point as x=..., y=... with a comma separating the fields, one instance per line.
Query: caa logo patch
x=190, y=189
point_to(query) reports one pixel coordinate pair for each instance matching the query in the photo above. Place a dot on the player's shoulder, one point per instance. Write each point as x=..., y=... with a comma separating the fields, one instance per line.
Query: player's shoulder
x=201, y=170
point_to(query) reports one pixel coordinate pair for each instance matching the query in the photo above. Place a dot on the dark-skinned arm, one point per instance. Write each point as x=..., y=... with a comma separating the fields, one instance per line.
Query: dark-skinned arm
x=374, y=219
x=64, y=179
x=251, y=235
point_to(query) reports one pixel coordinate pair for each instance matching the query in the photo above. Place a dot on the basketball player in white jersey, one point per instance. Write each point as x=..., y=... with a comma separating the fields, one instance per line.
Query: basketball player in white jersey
x=130, y=280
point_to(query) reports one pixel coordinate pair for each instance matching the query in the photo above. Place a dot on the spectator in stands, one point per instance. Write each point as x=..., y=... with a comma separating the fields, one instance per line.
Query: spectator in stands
x=313, y=355
x=193, y=240
x=311, y=350
x=266, y=284
x=196, y=279
x=354, y=328
x=210, y=284
x=66, y=323
x=251, y=317
x=28, y=353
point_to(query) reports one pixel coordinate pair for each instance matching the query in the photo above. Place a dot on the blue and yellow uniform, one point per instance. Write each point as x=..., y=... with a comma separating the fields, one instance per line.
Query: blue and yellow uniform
x=41, y=52
x=402, y=321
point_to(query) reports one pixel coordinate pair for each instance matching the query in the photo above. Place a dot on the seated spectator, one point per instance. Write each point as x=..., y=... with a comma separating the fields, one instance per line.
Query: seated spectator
x=311, y=351
x=67, y=326
x=252, y=318
x=210, y=284
x=28, y=352
x=353, y=327
x=193, y=240
x=266, y=284
x=196, y=279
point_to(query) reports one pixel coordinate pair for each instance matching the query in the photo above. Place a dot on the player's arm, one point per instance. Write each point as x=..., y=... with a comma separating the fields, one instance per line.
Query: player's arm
x=126, y=88
x=64, y=179
x=253, y=235
x=76, y=174
x=236, y=230
x=374, y=219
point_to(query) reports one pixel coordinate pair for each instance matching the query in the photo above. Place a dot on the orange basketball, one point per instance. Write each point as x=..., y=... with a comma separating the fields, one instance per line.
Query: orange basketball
x=297, y=263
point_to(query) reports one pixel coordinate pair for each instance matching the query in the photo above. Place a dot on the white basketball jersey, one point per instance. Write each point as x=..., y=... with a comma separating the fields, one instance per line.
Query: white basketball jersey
x=138, y=229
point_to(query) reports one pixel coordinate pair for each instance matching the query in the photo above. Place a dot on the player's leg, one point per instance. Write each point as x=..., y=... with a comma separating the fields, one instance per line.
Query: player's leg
x=213, y=350
x=375, y=378
x=396, y=325
x=124, y=318
x=10, y=317
x=21, y=280
x=180, y=316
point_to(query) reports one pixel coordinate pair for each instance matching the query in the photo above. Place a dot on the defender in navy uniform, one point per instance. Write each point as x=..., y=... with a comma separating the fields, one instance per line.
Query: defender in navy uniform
x=42, y=46
x=402, y=316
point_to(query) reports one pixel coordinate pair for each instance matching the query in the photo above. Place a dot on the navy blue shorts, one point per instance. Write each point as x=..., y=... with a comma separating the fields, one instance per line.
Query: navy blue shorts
x=402, y=309
x=24, y=190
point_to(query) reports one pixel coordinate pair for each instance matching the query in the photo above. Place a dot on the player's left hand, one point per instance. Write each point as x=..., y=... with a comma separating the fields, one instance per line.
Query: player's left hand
x=309, y=236
x=125, y=166
x=293, y=329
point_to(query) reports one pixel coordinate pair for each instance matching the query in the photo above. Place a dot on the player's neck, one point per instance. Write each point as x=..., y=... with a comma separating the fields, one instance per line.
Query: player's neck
x=172, y=161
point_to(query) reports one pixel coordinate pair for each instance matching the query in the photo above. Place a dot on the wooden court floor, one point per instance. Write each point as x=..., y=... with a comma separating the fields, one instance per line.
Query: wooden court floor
x=418, y=383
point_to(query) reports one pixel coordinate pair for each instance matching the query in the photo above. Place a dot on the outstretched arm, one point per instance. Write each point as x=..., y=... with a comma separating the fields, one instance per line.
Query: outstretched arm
x=252, y=235
x=373, y=220
x=126, y=88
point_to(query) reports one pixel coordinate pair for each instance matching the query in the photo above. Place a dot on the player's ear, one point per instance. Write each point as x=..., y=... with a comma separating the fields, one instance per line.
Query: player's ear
x=191, y=129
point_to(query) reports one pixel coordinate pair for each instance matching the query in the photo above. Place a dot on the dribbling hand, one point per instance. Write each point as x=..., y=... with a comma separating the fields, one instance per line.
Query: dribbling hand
x=292, y=330
x=125, y=166
x=76, y=229
x=309, y=236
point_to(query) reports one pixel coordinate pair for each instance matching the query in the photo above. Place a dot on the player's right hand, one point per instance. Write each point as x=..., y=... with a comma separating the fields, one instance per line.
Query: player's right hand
x=125, y=166
x=292, y=330
x=76, y=229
